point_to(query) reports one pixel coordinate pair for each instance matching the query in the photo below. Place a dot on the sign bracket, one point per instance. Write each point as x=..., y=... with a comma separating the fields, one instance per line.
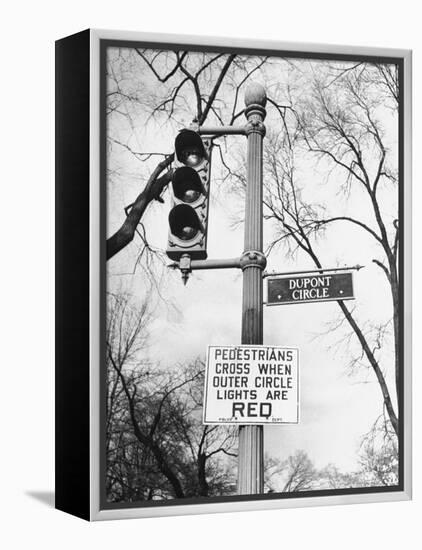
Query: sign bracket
x=357, y=267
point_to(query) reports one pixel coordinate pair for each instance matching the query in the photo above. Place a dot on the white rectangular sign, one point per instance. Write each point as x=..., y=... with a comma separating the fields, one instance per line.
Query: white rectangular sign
x=251, y=385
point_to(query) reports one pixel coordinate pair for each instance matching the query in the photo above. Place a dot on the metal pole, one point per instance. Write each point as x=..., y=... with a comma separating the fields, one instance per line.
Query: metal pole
x=253, y=262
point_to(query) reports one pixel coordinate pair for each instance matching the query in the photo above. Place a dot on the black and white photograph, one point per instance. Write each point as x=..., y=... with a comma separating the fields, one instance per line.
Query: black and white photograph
x=253, y=274
x=211, y=303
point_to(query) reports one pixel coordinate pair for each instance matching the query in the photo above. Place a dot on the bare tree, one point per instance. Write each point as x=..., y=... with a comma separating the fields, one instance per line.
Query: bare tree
x=190, y=85
x=331, y=477
x=338, y=123
x=379, y=459
x=296, y=473
x=378, y=466
x=156, y=444
x=330, y=119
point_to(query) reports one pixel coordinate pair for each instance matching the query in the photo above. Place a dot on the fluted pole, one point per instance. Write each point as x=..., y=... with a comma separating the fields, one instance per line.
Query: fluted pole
x=251, y=438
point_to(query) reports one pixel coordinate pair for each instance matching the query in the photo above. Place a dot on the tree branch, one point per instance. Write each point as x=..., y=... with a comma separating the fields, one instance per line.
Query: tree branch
x=152, y=190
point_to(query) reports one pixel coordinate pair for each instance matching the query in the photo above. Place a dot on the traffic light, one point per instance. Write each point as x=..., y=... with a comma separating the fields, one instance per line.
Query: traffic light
x=190, y=184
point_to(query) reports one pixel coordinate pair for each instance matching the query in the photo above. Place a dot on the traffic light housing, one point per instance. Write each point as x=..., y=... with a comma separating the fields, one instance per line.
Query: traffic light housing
x=188, y=217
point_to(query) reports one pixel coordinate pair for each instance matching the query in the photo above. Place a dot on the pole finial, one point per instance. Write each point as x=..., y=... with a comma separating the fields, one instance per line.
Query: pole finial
x=255, y=95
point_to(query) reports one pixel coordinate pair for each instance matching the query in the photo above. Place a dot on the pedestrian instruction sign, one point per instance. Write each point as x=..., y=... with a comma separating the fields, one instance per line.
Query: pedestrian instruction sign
x=251, y=385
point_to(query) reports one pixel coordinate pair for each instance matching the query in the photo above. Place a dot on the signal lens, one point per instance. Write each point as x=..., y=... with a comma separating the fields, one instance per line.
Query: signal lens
x=187, y=185
x=189, y=148
x=184, y=222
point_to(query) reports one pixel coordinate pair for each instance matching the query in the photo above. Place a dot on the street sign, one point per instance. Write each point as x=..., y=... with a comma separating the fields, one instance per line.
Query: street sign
x=251, y=385
x=299, y=289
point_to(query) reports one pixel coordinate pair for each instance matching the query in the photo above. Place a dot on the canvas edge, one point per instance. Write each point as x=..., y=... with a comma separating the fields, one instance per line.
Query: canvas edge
x=143, y=512
x=407, y=316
